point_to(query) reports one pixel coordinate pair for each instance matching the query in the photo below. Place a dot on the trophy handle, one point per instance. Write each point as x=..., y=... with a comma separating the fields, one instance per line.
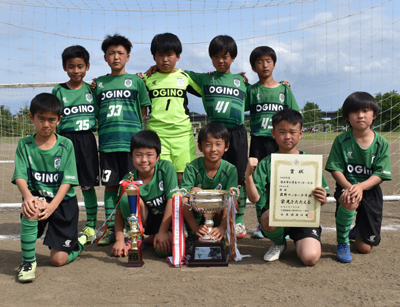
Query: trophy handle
x=235, y=192
x=184, y=193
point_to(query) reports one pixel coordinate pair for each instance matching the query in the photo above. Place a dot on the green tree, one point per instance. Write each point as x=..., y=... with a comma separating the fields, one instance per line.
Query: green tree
x=389, y=110
x=6, y=121
x=312, y=114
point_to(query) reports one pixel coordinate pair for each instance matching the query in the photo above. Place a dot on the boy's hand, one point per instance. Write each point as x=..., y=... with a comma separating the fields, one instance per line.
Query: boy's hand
x=29, y=206
x=46, y=210
x=140, y=75
x=119, y=249
x=251, y=166
x=346, y=197
x=286, y=83
x=217, y=233
x=151, y=71
x=243, y=74
x=93, y=84
x=162, y=241
x=201, y=231
x=356, y=193
x=319, y=194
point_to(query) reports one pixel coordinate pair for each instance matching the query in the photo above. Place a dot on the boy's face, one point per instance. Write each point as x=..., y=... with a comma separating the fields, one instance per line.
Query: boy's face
x=287, y=136
x=144, y=159
x=361, y=119
x=76, y=69
x=166, y=61
x=222, y=61
x=116, y=57
x=45, y=123
x=264, y=66
x=213, y=149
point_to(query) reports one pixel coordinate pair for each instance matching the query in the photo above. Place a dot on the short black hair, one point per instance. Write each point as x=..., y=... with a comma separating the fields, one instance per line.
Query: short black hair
x=166, y=42
x=358, y=101
x=116, y=40
x=75, y=51
x=216, y=130
x=260, y=51
x=222, y=43
x=45, y=102
x=291, y=116
x=146, y=139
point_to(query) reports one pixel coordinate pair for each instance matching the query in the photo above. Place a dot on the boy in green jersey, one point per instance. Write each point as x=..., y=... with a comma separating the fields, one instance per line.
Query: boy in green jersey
x=78, y=124
x=169, y=115
x=359, y=161
x=264, y=99
x=159, y=180
x=287, y=131
x=209, y=172
x=122, y=102
x=45, y=173
x=224, y=96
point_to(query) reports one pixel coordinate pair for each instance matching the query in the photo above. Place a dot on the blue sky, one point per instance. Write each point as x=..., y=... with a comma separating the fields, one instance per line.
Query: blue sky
x=326, y=49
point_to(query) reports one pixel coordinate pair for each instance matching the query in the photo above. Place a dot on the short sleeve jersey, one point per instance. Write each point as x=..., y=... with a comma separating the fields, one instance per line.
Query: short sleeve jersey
x=195, y=175
x=358, y=164
x=264, y=102
x=155, y=193
x=78, y=108
x=45, y=170
x=262, y=181
x=119, y=100
x=224, y=96
x=169, y=102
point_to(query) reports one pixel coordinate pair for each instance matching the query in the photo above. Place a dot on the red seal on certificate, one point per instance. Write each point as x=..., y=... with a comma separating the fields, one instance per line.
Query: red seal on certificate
x=310, y=215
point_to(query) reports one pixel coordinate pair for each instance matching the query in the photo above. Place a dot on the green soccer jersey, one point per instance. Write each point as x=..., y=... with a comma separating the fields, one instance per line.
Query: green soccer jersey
x=156, y=193
x=78, y=108
x=45, y=170
x=119, y=100
x=264, y=102
x=262, y=181
x=169, y=103
x=195, y=175
x=224, y=96
x=358, y=164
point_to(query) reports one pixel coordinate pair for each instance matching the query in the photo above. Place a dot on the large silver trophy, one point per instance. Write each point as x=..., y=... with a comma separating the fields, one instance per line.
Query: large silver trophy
x=208, y=251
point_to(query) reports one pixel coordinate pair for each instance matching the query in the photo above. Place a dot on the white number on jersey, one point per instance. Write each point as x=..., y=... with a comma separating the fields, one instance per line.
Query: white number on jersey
x=220, y=106
x=264, y=123
x=106, y=175
x=114, y=110
x=82, y=125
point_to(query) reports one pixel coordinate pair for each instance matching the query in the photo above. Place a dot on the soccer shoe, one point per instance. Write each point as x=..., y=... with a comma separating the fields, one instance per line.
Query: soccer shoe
x=258, y=234
x=82, y=238
x=351, y=234
x=240, y=231
x=108, y=238
x=274, y=252
x=26, y=272
x=89, y=232
x=343, y=252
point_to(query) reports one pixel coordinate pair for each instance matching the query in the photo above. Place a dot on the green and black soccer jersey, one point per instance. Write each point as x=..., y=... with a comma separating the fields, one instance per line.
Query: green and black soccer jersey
x=358, y=164
x=169, y=102
x=45, y=170
x=156, y=193
x=264, y=102
x=224, y=96
x=119, y=100
x=195, y=175
x=262, y=180
x=78, y=108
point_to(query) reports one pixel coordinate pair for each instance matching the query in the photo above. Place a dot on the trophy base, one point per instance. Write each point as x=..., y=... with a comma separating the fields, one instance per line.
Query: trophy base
x=134, y=258
x=208, y=254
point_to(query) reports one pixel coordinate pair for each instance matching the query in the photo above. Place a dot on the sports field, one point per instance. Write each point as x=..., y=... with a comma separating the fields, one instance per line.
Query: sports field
x=96, y=279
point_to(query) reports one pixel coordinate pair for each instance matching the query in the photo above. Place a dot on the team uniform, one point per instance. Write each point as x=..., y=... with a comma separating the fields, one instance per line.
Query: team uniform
x=224, y=96
x=169, y=116
x=263, y=102
x=119, y=100
x=44, y=171
x=357, y=165
x=154, y=194
x=195, y=175
x=262, y=181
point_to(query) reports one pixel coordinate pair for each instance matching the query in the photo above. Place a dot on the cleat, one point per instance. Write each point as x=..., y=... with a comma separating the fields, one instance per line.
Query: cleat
x=82, y=238
x=108, y=237
x=258, y=234
x=274, y=252
x=343, y=252
x=240, y=231
x=89, y=232
x=26, y=272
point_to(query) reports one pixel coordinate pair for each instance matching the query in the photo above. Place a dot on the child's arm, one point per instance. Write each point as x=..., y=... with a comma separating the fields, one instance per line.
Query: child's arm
x=48, y=208
x=251, y=189
x=356, y=191
x=119, y=248
x=319, y=194
x=218, y=232
x=144, y=113
x=162, y=240
x=30, y=202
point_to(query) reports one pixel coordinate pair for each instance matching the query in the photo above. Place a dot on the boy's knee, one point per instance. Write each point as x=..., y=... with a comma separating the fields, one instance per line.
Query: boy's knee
x=58, y=261
x=362, y=247
x=265, y=221
x=310, y=259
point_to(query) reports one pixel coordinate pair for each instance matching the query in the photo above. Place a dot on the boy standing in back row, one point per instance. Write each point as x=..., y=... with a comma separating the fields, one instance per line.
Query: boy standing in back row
x=122, y=102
